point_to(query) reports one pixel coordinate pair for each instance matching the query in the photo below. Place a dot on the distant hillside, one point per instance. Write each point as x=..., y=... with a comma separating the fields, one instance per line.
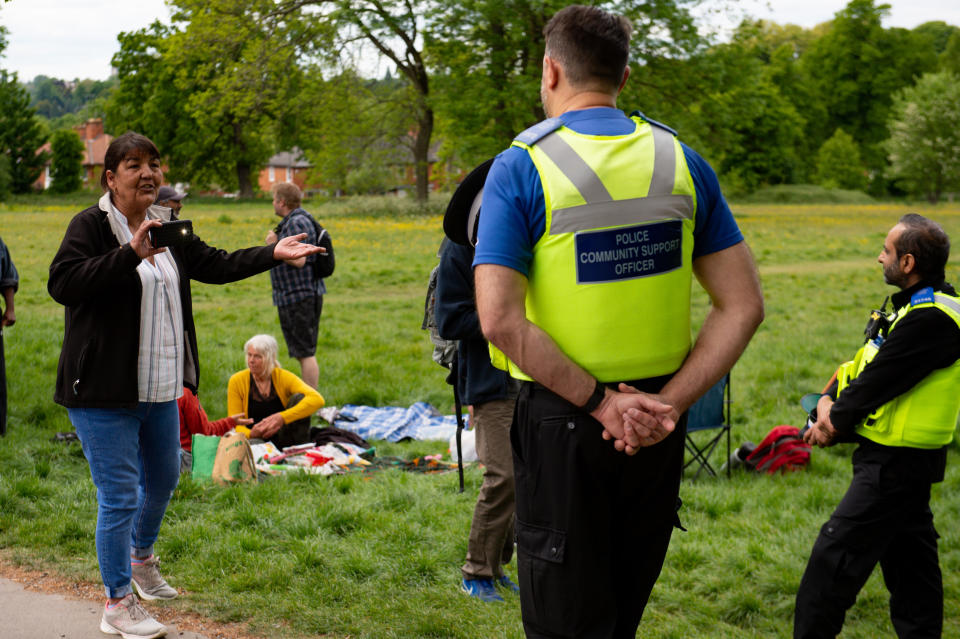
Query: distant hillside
x=54, y=98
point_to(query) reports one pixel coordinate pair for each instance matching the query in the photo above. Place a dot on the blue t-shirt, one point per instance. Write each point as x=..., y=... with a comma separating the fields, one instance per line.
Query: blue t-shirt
x=514, y=215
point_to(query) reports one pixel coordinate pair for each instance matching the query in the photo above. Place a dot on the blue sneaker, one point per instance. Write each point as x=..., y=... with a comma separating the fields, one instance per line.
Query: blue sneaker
x=482, y=589
x=506, y=583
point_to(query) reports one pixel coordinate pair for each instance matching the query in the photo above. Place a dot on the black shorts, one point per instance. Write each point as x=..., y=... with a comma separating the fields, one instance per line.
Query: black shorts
x=299, y=322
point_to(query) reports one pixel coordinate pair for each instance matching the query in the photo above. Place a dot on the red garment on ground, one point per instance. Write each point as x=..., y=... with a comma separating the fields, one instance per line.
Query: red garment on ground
x=193, y=419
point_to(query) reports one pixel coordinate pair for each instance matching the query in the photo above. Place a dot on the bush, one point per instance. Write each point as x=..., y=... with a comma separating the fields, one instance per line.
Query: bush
x=839, y=165
x=4, y=177
x=805, y=194
x=66, y=168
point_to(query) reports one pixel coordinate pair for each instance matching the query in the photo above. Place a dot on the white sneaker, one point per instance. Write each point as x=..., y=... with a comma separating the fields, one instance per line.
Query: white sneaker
x=146, y=579
x=130, y=620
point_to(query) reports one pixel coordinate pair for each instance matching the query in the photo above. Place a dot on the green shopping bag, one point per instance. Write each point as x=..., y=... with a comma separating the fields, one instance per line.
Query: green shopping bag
x=204, y=454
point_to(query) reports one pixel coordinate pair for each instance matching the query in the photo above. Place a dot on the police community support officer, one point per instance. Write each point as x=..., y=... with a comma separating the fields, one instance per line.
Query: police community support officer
x=900, y=402
x=592, y=226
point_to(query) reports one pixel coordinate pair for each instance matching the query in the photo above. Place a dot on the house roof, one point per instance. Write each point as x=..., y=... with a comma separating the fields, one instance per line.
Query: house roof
x=289, y=159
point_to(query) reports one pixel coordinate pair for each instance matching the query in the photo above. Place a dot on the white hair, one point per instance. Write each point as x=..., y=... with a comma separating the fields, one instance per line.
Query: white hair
x=267, y=346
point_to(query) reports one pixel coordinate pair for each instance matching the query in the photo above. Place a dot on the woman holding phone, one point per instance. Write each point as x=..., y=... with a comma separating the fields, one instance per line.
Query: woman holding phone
x=129, y=347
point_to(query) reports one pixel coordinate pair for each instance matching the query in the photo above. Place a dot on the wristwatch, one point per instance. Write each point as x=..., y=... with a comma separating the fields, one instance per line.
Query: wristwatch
x=594, y=400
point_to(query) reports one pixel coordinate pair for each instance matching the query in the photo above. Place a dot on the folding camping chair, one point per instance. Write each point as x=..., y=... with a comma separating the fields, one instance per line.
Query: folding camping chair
x=710, y=411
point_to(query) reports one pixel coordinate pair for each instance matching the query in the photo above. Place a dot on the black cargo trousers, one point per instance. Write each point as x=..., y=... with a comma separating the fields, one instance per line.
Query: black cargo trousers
x=884, y=518
x=592, y=524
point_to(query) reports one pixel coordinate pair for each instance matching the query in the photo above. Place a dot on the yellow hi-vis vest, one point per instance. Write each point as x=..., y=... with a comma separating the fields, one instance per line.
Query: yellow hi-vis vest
x=610, y=278
x=926, y=415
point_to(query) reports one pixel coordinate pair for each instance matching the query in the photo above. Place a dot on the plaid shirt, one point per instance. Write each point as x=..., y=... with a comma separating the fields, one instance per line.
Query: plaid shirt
x=9, y=278
x=292, y=284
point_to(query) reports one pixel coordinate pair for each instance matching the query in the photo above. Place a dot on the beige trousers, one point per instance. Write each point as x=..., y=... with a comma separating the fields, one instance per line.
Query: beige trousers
x=490, y=545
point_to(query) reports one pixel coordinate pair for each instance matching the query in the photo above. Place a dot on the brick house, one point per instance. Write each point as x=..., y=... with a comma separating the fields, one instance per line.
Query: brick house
x=286, y=166
x=292, y=166
x=95, y=143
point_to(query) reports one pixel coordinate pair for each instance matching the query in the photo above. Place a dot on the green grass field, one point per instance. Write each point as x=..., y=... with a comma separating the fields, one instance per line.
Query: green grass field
x=379, y=556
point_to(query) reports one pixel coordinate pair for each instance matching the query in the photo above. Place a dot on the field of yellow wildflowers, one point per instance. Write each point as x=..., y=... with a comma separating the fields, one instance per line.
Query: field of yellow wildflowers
x=379, y=556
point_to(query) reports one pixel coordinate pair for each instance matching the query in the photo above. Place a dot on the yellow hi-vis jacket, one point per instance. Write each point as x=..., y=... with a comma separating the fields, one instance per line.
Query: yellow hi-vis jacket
x=926, y=415
x=610, y=278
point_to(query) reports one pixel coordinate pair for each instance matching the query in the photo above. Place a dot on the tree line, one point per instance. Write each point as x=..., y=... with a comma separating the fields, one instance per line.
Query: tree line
x=847, y=104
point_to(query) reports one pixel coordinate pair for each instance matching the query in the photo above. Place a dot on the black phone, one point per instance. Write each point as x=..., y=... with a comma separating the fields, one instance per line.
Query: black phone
x=172, y=233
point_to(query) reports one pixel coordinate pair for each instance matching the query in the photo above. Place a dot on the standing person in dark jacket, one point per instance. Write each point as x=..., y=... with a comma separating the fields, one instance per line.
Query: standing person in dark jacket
x=489, y=391
x=129, y=348
x=899, y=400
x=9, y=283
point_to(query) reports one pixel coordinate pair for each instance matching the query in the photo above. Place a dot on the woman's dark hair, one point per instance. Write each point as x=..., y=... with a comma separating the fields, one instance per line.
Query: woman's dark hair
x=927, y=242
x=123, y=146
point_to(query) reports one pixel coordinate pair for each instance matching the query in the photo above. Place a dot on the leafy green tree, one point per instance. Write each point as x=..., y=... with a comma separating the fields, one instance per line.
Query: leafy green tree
x=839, y=165
x=475, y=64
x=950, y=58
x=147, y=100
x=924, y=144
x=54, y=98
x=486, y=60
x=855, y=67
x=354, y=131
x=21, y=134
x=757, y=132
x=66, y=167
x=937, y=32
x=214, y=90
x=4, y=177
x=48, y=96
x=393, y=28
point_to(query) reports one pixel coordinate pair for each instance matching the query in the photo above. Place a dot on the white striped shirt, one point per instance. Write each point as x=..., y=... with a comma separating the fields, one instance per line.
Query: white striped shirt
x=160, y=360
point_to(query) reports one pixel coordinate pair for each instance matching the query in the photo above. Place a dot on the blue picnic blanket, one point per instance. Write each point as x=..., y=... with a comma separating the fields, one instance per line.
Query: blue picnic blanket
x=393, y=423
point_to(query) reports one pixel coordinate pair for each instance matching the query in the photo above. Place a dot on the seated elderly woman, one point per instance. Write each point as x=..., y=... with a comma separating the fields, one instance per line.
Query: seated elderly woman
x=267, y=393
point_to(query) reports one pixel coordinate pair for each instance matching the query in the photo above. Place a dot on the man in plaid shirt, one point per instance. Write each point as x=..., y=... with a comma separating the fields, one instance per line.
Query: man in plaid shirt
x=297, y=295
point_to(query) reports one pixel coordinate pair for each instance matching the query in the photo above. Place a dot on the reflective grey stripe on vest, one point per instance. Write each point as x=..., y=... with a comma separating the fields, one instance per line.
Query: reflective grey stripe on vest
x=620, y=213
x=601, y=210
x=583, y=177
x=664, y=163
x=949, y=302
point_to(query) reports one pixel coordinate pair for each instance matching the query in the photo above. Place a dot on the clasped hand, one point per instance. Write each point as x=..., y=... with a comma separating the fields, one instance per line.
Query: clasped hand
x=635, y=420
x=267, y=427
x=822, y=433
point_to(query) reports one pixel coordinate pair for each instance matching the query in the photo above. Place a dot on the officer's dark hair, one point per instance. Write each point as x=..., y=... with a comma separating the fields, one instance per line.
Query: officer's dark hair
x=591, y=45
x=130, y=143
x=927, y=242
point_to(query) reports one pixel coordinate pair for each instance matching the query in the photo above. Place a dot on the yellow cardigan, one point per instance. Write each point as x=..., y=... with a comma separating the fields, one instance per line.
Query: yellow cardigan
x=285, y=383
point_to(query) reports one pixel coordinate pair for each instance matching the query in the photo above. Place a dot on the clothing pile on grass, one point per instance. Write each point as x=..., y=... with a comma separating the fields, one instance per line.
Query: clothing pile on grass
x=230, y=458
x=348, y=451
x=329, y=459
x=339, y=459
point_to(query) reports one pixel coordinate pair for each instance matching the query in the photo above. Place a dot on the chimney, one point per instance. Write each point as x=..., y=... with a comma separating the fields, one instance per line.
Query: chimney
x=91, y=129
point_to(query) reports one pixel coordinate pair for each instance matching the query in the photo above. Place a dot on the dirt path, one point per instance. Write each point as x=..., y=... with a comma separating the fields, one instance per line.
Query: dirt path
x=48, y=583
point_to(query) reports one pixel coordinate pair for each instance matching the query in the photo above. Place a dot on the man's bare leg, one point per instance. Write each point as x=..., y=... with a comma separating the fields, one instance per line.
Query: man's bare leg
x=310, y=370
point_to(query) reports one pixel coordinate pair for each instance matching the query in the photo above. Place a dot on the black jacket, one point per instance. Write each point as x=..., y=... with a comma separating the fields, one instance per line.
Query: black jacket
x=456, y=314
x=925, y=340
x=96, y=281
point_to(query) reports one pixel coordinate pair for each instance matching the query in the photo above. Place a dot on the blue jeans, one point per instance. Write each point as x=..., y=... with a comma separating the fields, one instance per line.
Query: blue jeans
x=134, y=457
